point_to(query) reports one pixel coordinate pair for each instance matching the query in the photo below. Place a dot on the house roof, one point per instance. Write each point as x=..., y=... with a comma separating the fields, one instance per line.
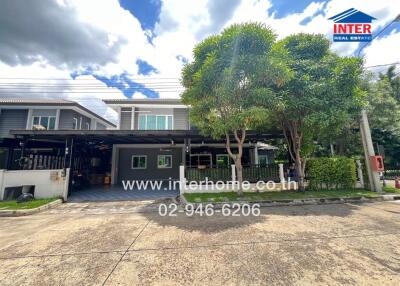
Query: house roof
x=352, y=16
x=166, y=101
x=51, y=102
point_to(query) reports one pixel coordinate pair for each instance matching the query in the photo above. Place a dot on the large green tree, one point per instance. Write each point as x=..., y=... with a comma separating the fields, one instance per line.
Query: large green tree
x=320, y=97
x=227, y=81
x=384, y=114
x=393, y=78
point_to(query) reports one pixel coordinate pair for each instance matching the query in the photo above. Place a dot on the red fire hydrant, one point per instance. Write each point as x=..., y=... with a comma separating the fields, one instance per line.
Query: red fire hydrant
x=397, y=182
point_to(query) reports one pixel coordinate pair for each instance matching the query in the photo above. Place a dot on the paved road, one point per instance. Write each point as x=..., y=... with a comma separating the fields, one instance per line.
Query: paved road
x=127, y=243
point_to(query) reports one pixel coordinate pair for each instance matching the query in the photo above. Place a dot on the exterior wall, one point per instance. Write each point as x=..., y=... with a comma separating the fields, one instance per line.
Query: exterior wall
x=44, y=112
x=66, y=119
x=48, y=183
x=12, y=119
x=125, y=172
x=126, y=118
x=181, y=119
x=100, y=126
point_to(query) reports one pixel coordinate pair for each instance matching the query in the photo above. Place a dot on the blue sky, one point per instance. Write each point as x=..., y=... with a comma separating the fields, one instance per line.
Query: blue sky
x=137, y=48
x=148, y=14
x=283, y=8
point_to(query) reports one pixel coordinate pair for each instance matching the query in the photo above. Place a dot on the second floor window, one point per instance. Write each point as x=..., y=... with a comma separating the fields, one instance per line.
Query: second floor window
x=155, y=122
x=47, y=122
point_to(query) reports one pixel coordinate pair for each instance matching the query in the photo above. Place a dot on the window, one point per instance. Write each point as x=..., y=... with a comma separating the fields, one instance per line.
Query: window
x=263, y=160
x=47, y=122
x=155, y=122
x=139, y=162
x=87, y=125
x=223, y=160
x=200, y=160
x=164, y=161
x=75, y=123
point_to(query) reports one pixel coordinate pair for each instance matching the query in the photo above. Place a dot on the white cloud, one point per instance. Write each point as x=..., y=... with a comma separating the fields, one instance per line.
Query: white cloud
x=383, y=50
x=45, y=81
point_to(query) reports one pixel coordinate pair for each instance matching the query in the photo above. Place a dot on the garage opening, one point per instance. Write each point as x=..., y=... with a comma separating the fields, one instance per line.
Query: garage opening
x=90, y=167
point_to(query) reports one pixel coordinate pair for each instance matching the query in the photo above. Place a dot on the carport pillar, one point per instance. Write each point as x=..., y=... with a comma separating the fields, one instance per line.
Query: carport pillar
x=256, y=162
x=68, y=168
x=68, y=152
x=184, y=152
x=182, y=179
x=10, y=157
x=114, y=164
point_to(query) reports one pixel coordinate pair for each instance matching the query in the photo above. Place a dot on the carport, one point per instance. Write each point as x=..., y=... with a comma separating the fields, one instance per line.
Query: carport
x=93, y=158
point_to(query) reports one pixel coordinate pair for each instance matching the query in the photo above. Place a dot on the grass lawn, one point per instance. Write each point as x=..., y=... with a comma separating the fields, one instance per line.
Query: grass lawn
x=389, y=189
x=284, y=195
x=13, y=205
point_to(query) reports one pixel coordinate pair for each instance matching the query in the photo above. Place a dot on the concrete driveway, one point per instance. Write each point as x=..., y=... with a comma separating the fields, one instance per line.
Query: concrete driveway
x=117, y=193
x=128, y=243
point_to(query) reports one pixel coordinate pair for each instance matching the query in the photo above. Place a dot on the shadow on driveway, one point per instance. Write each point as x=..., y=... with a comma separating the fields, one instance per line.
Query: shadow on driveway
x=218, y=223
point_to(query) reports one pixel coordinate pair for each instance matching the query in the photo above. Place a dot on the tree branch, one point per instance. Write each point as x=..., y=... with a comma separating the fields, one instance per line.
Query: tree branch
x=228, y=147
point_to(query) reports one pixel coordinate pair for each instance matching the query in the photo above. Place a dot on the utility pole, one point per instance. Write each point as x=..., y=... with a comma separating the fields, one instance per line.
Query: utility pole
x=368, y=147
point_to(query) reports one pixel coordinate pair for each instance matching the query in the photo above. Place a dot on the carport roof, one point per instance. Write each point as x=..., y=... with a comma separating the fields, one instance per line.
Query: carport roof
x=131, y=136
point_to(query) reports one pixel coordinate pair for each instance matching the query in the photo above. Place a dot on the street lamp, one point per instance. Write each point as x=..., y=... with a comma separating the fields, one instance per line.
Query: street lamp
x=373, y=176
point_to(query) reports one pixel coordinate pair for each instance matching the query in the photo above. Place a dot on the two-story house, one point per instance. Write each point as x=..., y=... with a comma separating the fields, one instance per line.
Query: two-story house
x=149, y=160
x=42, y=114
x=158, y=160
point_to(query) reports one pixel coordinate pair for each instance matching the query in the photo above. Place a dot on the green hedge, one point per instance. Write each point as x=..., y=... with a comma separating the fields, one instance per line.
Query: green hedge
x=328, y=173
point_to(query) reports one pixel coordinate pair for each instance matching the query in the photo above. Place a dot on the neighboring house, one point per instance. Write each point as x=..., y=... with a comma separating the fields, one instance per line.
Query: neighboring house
x=47, y=114
x=43, y=114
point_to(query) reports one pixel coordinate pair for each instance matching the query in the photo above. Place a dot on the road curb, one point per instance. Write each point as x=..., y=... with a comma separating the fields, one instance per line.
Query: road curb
x=11, y=213
x=300, y=202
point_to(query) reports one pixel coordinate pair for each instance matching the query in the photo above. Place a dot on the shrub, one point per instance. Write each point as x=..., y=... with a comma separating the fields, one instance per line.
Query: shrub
x=328, y=173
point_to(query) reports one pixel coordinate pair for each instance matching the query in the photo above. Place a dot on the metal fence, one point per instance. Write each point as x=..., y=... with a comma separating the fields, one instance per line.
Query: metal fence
x=391, y=174
x=251, y=173
x=41, y=162
x=212, y=174
x=255, y=173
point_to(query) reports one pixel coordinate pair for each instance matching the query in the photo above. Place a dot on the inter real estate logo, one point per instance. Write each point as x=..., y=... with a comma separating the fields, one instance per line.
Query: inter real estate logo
x=352, y=26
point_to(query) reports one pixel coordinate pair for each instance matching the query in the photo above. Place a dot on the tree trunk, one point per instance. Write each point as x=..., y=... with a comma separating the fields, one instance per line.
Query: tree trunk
x=239, y=174
x=299, y=164
x=237, y=158
x=293, y=138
